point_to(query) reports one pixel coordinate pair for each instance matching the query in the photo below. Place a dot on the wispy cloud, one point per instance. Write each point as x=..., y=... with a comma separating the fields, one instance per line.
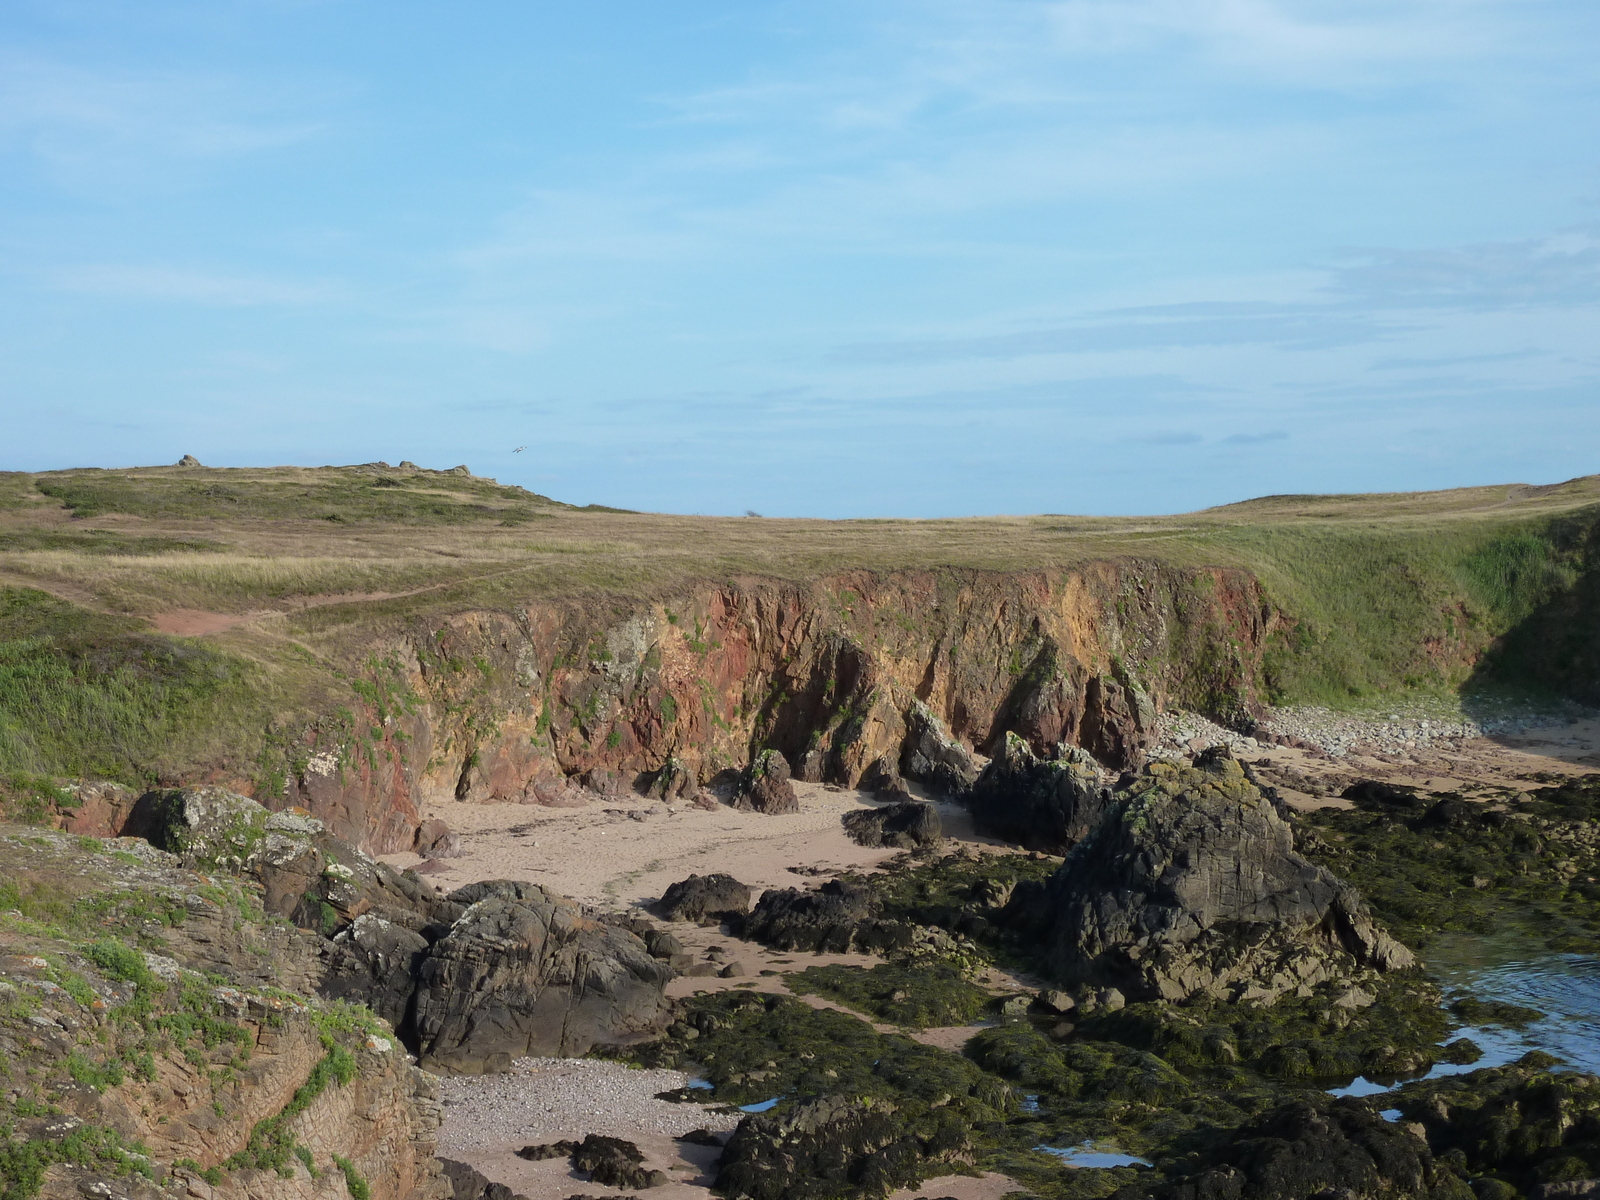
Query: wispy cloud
x=186, y=286
x=1293, y=327
x=103, y=129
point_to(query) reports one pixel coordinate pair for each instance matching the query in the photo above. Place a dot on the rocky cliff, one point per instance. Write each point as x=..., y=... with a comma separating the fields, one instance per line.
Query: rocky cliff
x=508, y=706
x=193, y=1065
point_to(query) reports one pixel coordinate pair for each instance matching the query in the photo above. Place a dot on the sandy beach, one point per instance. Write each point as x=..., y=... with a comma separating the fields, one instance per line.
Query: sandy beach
x=623, y=852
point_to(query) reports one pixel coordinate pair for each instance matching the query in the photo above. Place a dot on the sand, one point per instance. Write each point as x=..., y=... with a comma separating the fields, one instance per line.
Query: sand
x=622, y=852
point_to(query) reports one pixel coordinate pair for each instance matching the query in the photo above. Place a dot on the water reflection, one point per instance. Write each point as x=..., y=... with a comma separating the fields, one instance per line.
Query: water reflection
x=1566, y=987
x=1094, y=1154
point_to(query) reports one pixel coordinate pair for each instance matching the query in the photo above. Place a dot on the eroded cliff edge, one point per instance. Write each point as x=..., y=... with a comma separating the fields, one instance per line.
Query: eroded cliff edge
x=505, y=706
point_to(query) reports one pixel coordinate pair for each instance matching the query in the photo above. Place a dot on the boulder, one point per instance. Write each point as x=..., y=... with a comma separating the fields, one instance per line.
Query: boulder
x=833, y=1146
x=676, y=780
x=527, y=972
x=764, y=786
x=839, y=917
x=468, y=1183
x=1044, y=804
x=931, y=756
x=708, y=899
x=209, y=828
x=1190, y=885
x=905, y=825
x=1316, y=1148
x=435, y=839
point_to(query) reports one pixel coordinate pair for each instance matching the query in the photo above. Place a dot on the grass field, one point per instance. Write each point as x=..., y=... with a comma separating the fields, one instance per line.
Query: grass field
x=1375, y=582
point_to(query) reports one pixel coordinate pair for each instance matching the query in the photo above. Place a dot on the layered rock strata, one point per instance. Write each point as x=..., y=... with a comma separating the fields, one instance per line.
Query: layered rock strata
x=917, y=670
x=1190, y=885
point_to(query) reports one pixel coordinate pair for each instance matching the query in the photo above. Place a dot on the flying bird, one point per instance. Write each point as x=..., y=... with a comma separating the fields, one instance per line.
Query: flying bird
x=519, y=450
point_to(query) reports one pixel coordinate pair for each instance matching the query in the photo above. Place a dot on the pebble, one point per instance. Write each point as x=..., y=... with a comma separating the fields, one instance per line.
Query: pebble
x=1338, y=735
x=541, y=1099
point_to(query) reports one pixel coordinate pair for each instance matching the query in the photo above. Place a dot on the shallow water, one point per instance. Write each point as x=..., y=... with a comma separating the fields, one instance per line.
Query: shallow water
x=1565, y=987
x=1094, y=1154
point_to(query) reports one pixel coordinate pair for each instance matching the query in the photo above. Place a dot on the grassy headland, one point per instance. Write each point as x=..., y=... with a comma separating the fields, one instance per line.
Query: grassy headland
x=1475, y=588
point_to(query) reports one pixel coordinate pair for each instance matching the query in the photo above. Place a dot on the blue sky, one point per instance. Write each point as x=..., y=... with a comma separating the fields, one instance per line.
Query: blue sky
x=833, y=259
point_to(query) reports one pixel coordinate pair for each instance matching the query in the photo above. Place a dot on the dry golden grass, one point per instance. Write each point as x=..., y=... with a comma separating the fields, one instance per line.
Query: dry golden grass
x=265, y=562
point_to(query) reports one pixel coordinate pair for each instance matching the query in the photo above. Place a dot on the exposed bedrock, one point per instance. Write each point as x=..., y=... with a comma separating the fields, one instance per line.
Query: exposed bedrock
x=1189, y=885
x=1044, y=804
x=526, y=972
x=492, y=971
x=909, y=671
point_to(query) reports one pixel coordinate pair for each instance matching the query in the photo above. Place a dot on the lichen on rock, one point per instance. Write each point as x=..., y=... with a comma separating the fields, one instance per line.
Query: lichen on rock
x=1190, y=886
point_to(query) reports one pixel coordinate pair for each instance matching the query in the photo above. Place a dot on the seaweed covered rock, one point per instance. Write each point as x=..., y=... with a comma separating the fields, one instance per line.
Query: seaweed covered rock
x=905, y=825
x=931, y=756
x=1524, y=1125
x=705, y=898
x=833, y=1146
x=765, y=786
x=1315, y=1148
x=839, y=917
x=527, y=972
x=1043, y=804
x=1190, y=885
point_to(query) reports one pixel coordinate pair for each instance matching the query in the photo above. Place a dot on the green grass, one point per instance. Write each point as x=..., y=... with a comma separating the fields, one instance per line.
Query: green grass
x=339, y=497
x=91, y=695
x=1380, y=610
x=1373, y=599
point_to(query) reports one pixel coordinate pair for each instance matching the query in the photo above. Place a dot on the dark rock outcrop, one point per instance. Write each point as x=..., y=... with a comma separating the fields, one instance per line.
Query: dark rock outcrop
x=1043, y=804
x=839, y=917
x=832, y=1147
x=1534, y=1126
x=373, y=961
x=468, y=1183
x=676, y=780
x=708, y=899
x=905, y=825
x=765, y=786
x=435, y=839
x=607, y=1160
x=1325, y=1149
x=524, y=971
x=1190, y=885
x=1118, y=719
x=932, y=756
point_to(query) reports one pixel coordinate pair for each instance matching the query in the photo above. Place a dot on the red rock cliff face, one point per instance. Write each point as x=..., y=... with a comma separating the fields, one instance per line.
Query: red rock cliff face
x=503, y=706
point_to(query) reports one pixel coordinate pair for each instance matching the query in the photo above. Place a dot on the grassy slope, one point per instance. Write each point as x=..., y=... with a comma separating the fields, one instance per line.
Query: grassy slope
x=1390, y=592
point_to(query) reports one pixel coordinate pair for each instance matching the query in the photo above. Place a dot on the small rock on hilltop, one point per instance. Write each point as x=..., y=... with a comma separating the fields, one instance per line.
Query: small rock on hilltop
x=1190, y=885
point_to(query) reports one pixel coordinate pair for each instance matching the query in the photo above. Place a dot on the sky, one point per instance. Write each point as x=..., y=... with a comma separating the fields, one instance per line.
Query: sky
x=866, y=258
